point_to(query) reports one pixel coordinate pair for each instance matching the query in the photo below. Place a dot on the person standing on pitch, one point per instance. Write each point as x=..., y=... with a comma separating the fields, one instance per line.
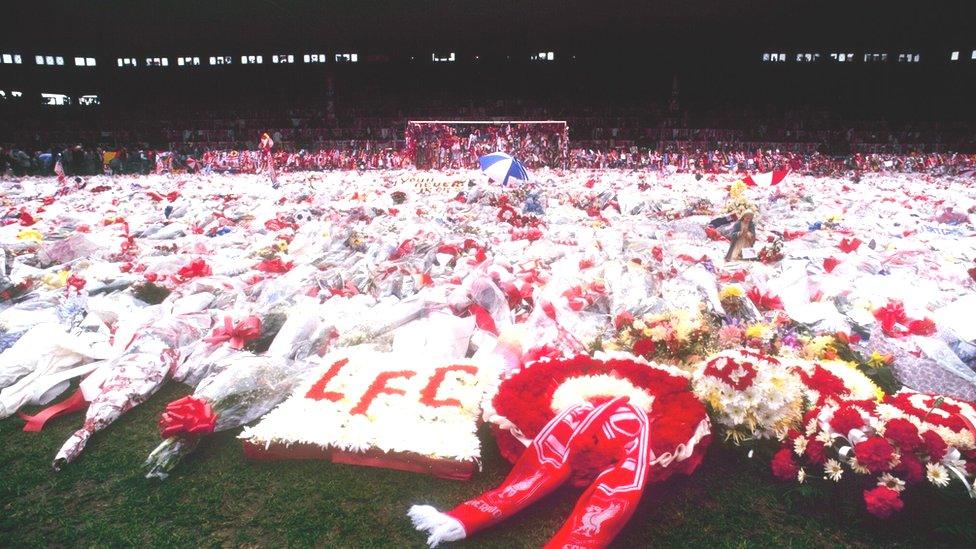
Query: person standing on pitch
x=267, y=158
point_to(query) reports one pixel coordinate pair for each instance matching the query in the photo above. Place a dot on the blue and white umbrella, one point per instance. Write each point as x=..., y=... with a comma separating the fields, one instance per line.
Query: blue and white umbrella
x=501, y=167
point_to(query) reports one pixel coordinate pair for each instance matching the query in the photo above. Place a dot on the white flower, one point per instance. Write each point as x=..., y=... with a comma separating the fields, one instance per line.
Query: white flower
x=800, y=445
x=858, y=468
x=834, y=470
x=825, y=437
x=937, y=474
x=801, y=475
x=891, y=482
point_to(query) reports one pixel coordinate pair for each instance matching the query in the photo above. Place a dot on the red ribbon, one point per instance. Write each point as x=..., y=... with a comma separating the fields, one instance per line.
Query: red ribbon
x=237, y=334
x=74, y=403
x=187, y=416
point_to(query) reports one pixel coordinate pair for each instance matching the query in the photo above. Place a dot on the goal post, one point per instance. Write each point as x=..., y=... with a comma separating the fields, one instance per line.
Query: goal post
x=457, y=144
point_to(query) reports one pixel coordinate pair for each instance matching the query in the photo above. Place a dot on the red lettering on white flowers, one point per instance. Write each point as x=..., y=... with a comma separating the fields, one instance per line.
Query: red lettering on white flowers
x=428, y=395
x=379, y=387
x=318, y=392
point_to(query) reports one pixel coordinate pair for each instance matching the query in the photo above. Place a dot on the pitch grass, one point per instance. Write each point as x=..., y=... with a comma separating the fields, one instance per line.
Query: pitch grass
x=217, y=498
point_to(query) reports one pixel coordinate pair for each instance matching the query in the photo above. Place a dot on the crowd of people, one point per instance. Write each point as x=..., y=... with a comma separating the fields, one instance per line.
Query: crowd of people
x=440, y=145
x=80, y=161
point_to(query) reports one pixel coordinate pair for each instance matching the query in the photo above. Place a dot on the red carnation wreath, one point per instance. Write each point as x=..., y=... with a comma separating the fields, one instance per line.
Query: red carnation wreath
x=613, y=423
x=524, y=404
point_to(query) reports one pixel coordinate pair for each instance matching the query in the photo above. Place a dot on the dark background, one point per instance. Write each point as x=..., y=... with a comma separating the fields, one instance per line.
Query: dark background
x=608, y=53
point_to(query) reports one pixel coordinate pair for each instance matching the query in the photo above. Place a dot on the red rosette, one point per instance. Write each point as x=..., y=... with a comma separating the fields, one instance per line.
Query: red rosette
x=524, y=404
x=187, y=416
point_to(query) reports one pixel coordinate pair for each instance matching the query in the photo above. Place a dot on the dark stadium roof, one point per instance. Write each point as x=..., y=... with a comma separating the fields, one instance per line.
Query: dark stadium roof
x=167, y=27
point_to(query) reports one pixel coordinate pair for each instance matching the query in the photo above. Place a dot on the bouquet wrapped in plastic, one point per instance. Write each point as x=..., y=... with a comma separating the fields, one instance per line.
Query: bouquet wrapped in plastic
x=127, y=381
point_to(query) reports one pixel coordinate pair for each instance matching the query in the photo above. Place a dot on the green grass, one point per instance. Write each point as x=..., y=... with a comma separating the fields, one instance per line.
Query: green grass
x=217, y=498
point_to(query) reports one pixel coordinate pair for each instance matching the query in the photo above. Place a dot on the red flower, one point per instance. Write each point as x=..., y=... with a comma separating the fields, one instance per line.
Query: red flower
x=903, y=433
x=76, y=282
x=848, y=246
x=26, y=219
x=889, y=315
x=194, y=269
x=935, y=446
x=784, y=468
x=830, y=263
x=275, y=265
x=765, y=302
x=845, y=419
x=657, y=253
x=911, y=468
x=815, y=451
x=644, y=347
x=925, y=327
x=972, y=273
x=882, y=501
x=737, y=374
x=623, y=319
x=874, y=454
x=828, y=385
x=187, y=416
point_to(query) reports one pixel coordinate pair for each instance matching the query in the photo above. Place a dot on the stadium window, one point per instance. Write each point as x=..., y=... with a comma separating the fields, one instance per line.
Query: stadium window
x=807, y=57
x=774, y=57
x=127, y=62
x=55, y=99
x=191, y=61
x=221, y=60
x=875, y=57
x=908, y=58
x=973, y=56
x=251, y=60
x=347, y=57
x=89, y=100
x=842, y=57
x=15, y=93
x=315, y=58
x=3, y=94
x=11, y=59
x=50, y=60
x=443, y=58
x=157, y=61
x=84, y=61
x=283, y=59
x=543, y=56
x=954, y=56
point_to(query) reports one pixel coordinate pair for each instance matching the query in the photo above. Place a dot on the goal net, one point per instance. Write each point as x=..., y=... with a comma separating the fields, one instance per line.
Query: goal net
x=447, y=144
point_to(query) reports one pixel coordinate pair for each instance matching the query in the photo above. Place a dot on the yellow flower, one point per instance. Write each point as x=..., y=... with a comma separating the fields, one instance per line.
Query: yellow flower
x=757, y=331
x=659, y=333
x=30, y=234
x=59, y=280
x=818, y=347
x=732, y=290
x=282, y=246
x=878, y=360
x=737, y=188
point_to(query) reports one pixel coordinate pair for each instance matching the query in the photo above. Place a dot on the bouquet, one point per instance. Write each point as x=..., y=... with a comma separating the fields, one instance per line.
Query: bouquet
x=130, y=379
x=679, y=335
x=902, y=441
x=751, y=395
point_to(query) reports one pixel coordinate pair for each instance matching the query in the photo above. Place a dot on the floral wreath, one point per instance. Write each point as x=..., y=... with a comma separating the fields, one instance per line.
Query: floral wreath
x=530, y=397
